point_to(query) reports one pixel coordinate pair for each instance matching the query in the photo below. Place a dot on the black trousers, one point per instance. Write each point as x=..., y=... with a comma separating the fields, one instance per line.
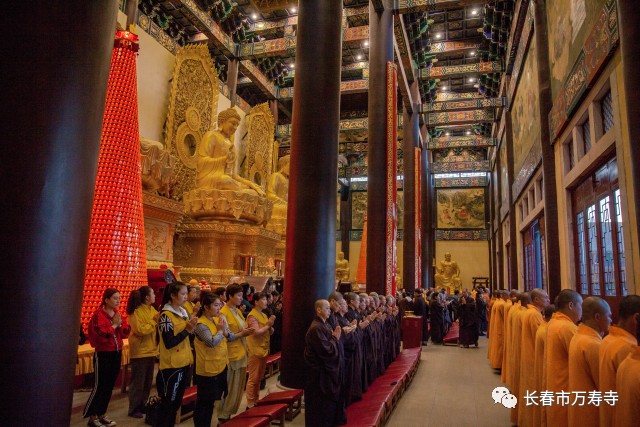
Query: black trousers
x=321, y=410
x=106, y=365
x=210, y=389
x=171, y=384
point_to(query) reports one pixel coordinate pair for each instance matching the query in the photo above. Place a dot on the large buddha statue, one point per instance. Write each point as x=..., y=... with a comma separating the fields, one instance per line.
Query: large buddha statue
x=278, y=193
x=217, y=157
x=220, y=193
x=342, y=268
x=448, y=274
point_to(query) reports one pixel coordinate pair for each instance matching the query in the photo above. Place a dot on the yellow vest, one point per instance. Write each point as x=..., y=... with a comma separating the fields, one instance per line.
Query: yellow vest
x=258, y=345
x=142, y=339
x=210, y=361
x=235, y=348
x=180, y=355
x=188, y=305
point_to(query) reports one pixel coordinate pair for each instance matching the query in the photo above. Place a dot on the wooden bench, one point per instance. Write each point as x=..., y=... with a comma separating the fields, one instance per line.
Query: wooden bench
x=275, y=413
x=292, y=398
x=188, y=404
x=273, y=364
x=248, y=422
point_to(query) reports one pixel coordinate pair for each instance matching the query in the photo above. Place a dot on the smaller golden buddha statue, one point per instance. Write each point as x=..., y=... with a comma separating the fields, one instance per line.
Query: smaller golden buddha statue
x=342, y=268
x=448, y=274
x=278, y=193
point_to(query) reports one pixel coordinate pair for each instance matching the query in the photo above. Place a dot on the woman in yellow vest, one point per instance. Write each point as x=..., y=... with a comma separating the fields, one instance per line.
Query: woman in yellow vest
x=237, y=349
x=211, y=358
x=192, y=305
x=258, y=346
x=143, y=347
x=175, y=352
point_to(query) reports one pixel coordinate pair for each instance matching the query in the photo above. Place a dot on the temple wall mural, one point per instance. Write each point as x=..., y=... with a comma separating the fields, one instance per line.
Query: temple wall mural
x=525, y=111
x=461, y=208
x=569, y=24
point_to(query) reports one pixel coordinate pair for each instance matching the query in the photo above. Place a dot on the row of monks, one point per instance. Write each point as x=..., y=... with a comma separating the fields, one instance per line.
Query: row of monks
x=351, y=342
x=554, y=358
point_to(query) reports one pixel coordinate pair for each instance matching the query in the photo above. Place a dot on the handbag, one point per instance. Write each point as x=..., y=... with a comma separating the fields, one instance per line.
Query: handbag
x=151, y=409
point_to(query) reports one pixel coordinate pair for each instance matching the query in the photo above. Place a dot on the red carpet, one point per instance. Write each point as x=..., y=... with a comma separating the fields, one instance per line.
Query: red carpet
x=452, y=337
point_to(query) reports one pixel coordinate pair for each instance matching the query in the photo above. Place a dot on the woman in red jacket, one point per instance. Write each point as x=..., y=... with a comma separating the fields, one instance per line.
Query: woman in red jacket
x=106, y=331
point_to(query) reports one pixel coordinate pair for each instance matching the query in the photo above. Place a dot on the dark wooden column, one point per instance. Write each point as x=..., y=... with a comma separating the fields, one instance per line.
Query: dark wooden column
x=380, y=52
x=548, y=152
x=411, y=140
x=513, y=231
x=499, y=246
x=427, y=215
x=628, y=14
x=345, y=219
x=273, y=105
x=131, y=10
x=311, y=217
x=232, y=78
x=55, y=86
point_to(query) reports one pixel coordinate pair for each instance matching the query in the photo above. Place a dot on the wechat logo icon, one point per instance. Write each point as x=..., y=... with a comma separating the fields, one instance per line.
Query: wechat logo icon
x=503, y=396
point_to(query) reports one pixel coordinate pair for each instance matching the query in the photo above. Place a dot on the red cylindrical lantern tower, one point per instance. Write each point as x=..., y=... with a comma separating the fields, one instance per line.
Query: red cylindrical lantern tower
x=117, y=249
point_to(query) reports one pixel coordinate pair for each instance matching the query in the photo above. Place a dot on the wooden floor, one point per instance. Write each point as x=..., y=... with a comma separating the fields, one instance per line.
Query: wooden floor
x=451, y=388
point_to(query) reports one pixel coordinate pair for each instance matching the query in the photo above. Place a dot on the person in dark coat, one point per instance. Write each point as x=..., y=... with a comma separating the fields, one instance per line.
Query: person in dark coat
x=436, y=312
x=468, y=321
x=481, y=313
x=323, y=357
x=420, y=308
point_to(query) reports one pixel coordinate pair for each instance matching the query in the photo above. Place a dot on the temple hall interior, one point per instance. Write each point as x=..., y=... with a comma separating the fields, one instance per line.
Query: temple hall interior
x=322, y=212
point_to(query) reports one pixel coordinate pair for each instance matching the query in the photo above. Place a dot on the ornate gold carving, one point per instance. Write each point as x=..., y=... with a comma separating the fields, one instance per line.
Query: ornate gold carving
x=231, y=204
x=192, y=108
x=260, y=126
x=158, y=176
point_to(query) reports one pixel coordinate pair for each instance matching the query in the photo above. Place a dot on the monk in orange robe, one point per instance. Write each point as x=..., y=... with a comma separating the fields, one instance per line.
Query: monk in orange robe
x=531, y=321
x=583, y=360
x=627, y=409
x=514, y=297
x=614, y=349
x=513, y=364
x=496, y=332
x=562, y=328
x=540, y=372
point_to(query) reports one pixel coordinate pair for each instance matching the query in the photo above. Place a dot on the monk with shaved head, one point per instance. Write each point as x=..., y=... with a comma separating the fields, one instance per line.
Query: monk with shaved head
x=513, y=363
x=583, y=358
x=539, y=369
x=616, y=346
x=514, y=299
x=496, y=330
x=537, y=301
x=562, y=328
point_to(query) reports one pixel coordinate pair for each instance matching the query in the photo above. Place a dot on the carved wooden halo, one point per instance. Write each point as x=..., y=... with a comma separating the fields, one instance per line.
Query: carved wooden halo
x=187, y=141
x=193, y=119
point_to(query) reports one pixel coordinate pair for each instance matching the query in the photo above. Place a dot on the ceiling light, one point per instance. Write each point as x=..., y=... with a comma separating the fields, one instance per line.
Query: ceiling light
x=294, y=10
x=366, y=43
x=260, y=24
x=447, y=134
x=444, y=88
x=292, y=65
x=473, y=53
x=254, y=16
x=359, y=57
x=471, y=80
x=474, y=12
x=468, y=132
x=438, y=36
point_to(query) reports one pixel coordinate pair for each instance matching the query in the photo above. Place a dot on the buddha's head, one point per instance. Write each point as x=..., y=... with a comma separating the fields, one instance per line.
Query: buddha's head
x=228, y=121
x=283, y=164
x=447, y=256
x=340, y=256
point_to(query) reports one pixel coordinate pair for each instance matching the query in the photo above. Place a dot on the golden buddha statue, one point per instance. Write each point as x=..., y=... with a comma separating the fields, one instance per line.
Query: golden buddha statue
x=342, y=268
x=448, y=274
x=220, y=193
x=217, y=157
x=278, y=193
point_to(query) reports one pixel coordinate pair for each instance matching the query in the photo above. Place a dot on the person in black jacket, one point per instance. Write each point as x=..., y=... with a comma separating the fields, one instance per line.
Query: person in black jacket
x=420, y=308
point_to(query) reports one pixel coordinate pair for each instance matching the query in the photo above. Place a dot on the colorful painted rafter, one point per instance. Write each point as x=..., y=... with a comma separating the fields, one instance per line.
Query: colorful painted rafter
x=461, y=141
x=212, y=30
x=455, y=96
x=460, y=70
x=474, y=181
x=460, y=117
x=457, y=167
x=349, y=125
x=446, y=234
x=447, y=48
x=250, y=70
x=411, y=6
x=349, y=86
x=470, y=104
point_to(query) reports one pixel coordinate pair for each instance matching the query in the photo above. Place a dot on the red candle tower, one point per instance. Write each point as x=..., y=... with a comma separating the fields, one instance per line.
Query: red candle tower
x=117, y=250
